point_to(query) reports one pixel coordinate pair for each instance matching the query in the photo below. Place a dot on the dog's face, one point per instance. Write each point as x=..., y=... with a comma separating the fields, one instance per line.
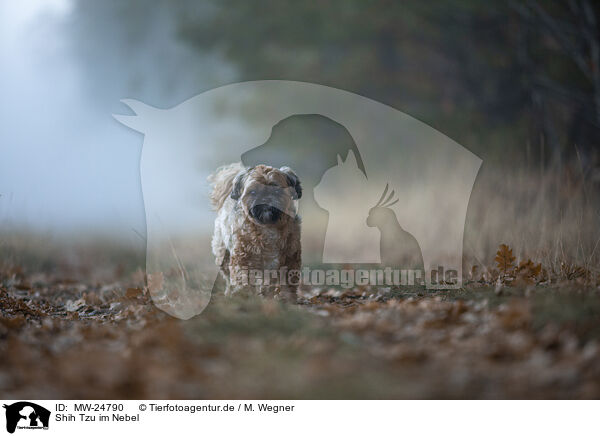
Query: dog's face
x=267, y=194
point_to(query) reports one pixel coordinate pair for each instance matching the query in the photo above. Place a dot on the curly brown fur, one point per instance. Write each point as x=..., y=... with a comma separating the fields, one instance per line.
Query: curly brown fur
x=221, y=182
x=257, y=225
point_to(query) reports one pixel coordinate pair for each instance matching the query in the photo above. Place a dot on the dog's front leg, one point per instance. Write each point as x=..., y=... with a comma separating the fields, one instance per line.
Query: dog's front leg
x=293, y=274
x=239, y=276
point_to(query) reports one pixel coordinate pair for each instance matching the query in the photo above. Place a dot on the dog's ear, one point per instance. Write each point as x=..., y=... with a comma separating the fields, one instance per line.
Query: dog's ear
x=238, y=185
x=293, y=181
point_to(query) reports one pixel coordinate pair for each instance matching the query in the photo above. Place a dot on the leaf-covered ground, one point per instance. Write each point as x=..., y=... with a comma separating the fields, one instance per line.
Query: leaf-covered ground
x=63, y=335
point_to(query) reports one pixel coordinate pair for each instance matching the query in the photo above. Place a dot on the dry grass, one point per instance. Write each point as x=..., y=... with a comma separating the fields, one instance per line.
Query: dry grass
x=550, y=216
x=75, y=320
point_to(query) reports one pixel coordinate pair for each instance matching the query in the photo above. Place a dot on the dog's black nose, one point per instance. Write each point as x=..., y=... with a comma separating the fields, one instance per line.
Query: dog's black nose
x=265, y=214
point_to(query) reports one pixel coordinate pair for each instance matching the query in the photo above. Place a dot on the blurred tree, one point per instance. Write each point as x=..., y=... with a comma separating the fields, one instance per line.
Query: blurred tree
x=561, y=56
x=527, y=72
x=442, y=62
x=505, y=79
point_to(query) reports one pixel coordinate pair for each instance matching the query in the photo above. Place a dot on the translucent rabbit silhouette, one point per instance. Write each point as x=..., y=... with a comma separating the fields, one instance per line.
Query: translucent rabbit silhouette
x=398, y=248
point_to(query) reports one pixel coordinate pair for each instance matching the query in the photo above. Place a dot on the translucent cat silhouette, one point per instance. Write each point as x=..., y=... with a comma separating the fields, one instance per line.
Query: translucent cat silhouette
x=345, y=193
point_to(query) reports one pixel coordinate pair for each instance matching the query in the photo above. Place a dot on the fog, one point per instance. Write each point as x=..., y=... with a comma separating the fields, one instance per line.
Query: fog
x=66, y=165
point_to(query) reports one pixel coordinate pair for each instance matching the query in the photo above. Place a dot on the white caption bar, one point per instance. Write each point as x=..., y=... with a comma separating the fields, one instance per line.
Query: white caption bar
x=301, y=417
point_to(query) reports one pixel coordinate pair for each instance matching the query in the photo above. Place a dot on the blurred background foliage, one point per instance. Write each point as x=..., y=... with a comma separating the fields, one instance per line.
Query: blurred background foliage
x=510, y=81
x=517, y=83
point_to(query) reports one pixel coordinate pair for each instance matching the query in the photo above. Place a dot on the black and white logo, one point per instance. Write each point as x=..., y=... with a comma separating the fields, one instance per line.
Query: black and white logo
x=26, y=415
